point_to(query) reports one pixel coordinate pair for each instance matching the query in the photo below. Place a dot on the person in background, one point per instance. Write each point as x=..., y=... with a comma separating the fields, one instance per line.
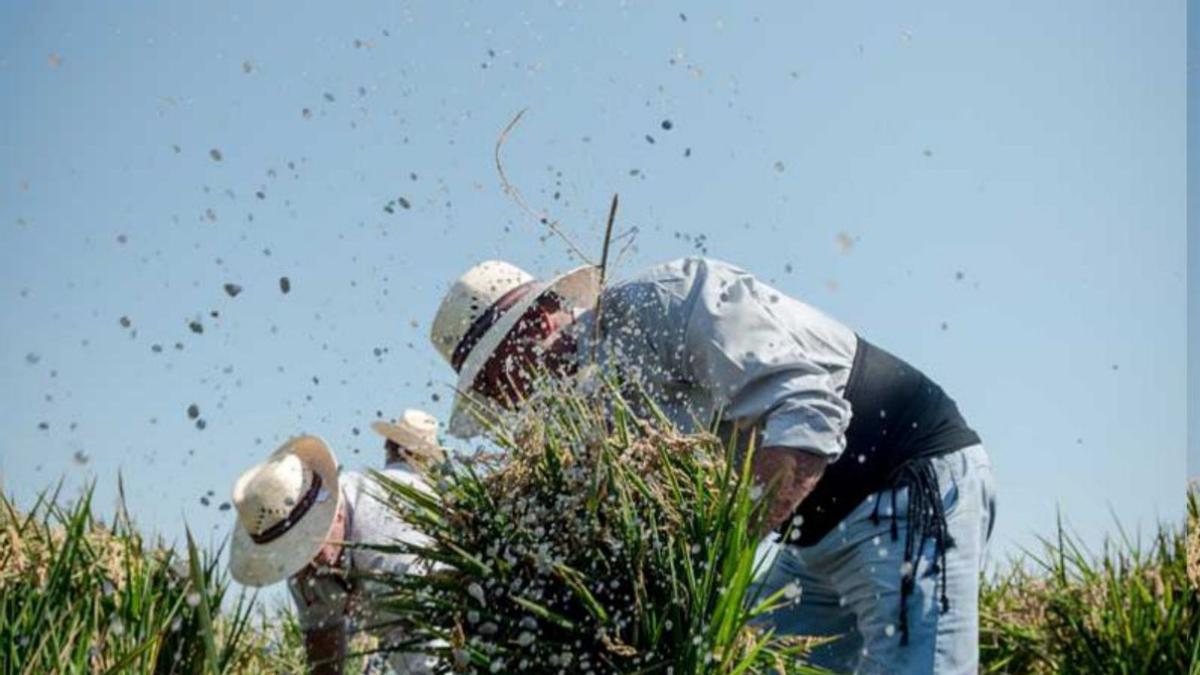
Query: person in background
x=411, y=441
x=295, y=513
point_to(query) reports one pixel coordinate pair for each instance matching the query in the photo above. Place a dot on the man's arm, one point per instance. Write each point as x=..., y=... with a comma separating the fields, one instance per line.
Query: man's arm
x=714, y=327
x=788, y=475
x=763, y=357
x=320, y=609
x=325, y=649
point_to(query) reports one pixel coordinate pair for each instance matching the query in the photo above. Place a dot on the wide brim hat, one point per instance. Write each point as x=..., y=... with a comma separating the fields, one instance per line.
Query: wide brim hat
x=579, y=288
x=415, y=431
x=261, y=564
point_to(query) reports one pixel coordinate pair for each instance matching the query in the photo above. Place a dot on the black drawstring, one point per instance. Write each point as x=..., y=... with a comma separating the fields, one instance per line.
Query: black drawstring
x=926, y=520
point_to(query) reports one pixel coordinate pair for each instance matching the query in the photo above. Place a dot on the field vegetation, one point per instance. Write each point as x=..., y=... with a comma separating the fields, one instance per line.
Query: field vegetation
x=639, y=563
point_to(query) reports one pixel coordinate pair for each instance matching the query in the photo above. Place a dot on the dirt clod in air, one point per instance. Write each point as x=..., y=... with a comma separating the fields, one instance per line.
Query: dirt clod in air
x=845, y=242
x=285, y=284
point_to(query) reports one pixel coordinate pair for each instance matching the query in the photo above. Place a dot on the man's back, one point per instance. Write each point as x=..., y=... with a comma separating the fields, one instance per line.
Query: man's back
x=703, y=336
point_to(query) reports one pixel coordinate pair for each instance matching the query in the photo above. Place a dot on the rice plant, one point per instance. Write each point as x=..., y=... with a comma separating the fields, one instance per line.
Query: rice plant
x=79, y=597
x=1131, y=609
x=600, y=541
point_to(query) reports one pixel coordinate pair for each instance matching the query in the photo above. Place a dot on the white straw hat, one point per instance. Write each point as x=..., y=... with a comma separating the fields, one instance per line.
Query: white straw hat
x=416, y=432
x=285, y=509
x=469, y=324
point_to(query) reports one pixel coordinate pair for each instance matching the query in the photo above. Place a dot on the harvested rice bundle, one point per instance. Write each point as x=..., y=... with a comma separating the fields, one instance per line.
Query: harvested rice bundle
x=598, y=542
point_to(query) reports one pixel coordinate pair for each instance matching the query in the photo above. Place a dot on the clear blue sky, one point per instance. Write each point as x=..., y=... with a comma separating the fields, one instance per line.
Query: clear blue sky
x=1193, y=248
x=995, y=191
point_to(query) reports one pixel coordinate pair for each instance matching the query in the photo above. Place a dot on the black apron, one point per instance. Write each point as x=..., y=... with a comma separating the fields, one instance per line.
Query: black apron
x=899, y=416
x=900, y=420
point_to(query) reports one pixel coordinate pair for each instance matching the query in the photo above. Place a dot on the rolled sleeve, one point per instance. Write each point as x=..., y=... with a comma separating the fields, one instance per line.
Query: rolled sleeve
x=810, y=418
x=738, y=347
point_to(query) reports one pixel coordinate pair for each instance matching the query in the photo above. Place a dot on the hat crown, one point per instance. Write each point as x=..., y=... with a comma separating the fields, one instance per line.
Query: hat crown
x=421, y=425
x=269, y=492
x=468, y=298
x=416, y=432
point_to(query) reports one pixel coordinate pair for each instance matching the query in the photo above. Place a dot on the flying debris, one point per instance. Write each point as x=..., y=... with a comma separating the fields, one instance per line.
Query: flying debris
x=845, y=242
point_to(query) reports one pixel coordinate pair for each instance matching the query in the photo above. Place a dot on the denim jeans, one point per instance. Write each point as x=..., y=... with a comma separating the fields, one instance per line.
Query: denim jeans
x=850, y=581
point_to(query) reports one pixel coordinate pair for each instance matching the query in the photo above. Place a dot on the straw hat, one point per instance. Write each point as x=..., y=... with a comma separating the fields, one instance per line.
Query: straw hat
x=285, y=509
x=415, y=432
x=469, y=325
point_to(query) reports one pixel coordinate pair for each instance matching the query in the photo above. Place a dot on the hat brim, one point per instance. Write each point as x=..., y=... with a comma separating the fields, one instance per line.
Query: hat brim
x=580, y=288
x=255, y=564
x=406, y=439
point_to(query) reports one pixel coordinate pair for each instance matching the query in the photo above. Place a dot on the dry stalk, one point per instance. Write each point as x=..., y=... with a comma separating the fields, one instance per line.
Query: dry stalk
x=512, y=191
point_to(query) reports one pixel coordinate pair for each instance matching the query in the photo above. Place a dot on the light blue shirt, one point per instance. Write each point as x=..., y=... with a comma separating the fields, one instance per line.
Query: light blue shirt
x=705, y=338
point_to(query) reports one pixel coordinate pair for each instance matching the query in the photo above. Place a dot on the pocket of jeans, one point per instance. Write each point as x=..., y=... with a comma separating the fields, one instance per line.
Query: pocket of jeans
x=972, y=480
x=978, y=457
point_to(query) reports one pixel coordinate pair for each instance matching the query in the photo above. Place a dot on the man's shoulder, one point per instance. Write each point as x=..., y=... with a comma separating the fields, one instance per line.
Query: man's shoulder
x=687, y=267
x=679, y=275
x=351, y=481
x=402, y=473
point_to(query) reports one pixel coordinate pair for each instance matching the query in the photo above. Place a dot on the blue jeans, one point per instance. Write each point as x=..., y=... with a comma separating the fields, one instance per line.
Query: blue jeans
x=850, y=581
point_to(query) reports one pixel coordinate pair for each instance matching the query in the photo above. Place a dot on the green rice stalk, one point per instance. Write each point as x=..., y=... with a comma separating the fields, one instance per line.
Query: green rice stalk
x=600, y=539
x=1130, y=609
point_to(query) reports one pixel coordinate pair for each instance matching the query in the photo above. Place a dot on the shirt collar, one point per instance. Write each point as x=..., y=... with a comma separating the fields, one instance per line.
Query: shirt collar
x=399, y=465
